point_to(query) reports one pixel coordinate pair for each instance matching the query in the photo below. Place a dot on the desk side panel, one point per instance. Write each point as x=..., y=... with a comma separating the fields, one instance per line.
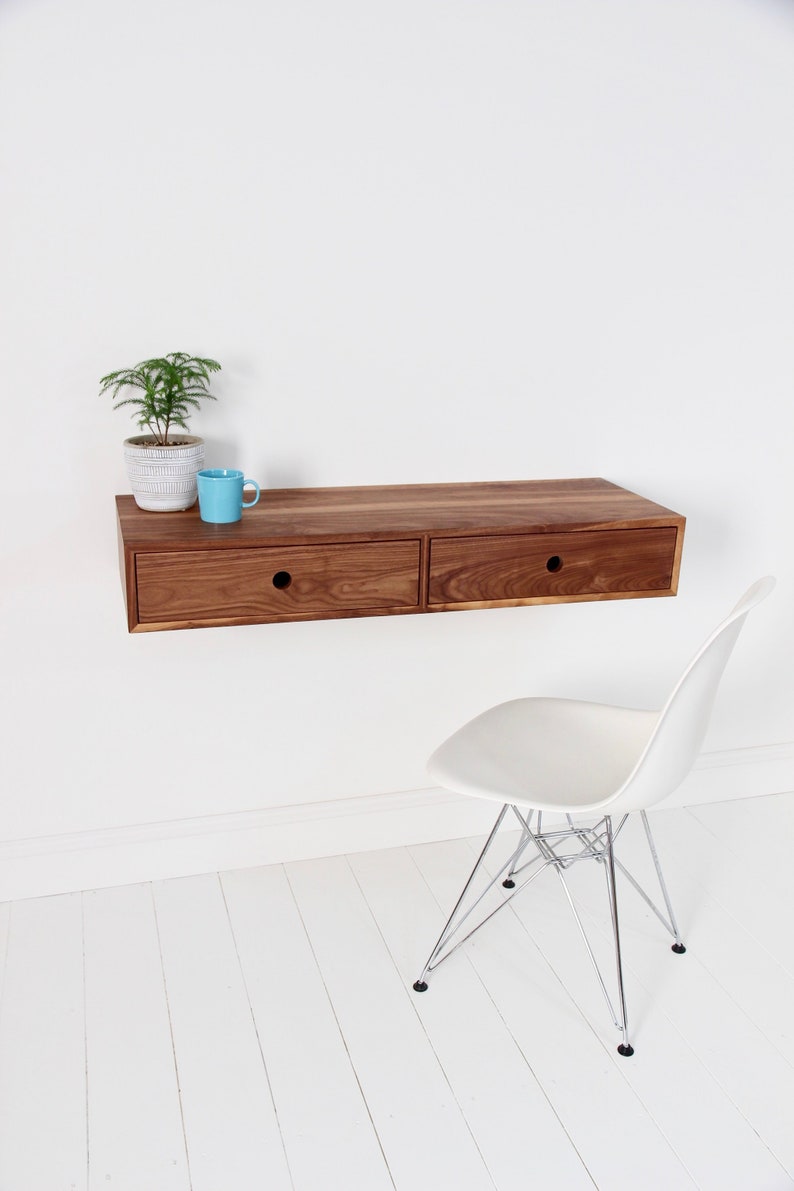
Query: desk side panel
x=127, y=576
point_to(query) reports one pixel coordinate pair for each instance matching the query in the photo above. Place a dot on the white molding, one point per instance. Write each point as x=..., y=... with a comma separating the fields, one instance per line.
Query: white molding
x=737, y=773
x=46, y=865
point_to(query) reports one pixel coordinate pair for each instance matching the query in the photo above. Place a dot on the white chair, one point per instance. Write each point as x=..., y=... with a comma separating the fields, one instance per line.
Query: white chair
x=575, y=759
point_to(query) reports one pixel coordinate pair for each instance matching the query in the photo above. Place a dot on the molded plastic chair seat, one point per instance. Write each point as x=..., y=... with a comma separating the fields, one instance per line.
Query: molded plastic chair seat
x=575, y=758
x=545, y=754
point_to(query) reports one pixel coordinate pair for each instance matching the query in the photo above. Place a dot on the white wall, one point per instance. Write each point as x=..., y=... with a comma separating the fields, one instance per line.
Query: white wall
x=428, y=240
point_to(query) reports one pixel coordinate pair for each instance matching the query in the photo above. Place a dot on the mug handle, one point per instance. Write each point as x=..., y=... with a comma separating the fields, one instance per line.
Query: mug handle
x=249, y=504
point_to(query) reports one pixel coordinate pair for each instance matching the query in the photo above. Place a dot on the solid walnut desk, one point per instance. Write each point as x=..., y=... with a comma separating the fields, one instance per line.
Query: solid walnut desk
x=315, y=553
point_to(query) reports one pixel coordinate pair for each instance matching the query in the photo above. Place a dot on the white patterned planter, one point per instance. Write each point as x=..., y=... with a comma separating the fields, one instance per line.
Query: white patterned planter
x=163, y=479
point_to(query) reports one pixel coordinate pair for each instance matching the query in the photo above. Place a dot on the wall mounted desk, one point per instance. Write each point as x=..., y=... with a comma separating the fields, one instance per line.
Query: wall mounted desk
x=317, y=553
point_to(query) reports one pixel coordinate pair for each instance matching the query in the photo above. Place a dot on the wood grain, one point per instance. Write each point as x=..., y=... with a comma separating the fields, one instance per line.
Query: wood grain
x=371, y=513
x=240, y=583
x=396, y=549
x=532, y=566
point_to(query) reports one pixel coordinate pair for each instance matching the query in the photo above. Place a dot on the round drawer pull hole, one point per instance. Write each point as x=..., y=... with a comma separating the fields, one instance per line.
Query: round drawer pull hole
x=282, y=579
x=554, y=563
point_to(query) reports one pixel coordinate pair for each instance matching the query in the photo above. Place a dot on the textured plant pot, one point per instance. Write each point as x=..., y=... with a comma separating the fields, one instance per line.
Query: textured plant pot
x=163, y=479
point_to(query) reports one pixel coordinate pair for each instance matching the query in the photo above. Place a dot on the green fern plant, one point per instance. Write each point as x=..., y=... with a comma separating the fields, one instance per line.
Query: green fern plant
x=164, y=391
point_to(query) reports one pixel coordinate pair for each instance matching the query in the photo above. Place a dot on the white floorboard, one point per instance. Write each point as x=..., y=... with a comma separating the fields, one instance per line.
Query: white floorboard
x=616, y=1138
x=43, y=1117
x=330, y=1140
x=136, y=1134
x=502, y=1100
x=751, y=886
x=258, y=1029
x=700, y=1110
x=728, y=950
x=231, y=1129
x=753, y=1072
x=424, y=1134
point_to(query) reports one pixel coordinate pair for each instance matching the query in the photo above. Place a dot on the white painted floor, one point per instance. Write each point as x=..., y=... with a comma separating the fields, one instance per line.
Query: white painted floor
x=258, y=1029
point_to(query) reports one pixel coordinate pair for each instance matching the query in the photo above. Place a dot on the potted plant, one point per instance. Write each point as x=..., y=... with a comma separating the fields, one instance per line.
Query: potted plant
x=162, y=463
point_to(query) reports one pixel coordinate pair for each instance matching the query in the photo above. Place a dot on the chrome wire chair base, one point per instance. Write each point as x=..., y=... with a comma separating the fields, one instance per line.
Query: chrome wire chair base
x=559, y=849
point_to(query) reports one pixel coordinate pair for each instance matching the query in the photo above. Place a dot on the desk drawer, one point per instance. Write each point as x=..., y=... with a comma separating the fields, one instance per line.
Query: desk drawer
x=271, y=582
x=548, y=566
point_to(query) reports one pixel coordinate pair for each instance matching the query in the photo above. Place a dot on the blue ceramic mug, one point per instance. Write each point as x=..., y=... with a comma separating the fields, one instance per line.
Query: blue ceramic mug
x=220, y=493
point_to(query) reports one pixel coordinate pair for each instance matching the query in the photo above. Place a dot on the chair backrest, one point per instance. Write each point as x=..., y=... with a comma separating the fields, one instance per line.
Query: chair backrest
x=681, y=727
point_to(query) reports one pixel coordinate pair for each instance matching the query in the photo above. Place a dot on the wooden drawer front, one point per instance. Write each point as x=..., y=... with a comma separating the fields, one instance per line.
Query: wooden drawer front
x=271, y=582
x=545, y=566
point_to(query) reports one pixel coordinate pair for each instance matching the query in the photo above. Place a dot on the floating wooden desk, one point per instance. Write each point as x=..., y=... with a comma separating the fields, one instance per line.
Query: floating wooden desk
x=316, y=553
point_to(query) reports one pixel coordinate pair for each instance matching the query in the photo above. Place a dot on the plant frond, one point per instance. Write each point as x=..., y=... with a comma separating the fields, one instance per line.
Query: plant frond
x=139, y=401
x=168, y=384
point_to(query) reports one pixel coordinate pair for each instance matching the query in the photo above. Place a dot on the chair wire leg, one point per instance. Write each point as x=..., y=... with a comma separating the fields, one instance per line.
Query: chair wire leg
x=420, y=985
x=588, y=948
x=678, y=947
x=509, y=881
x=625, y=1047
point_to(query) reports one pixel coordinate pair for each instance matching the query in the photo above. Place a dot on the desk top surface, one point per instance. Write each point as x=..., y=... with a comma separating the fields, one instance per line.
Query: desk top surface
x=526, y=506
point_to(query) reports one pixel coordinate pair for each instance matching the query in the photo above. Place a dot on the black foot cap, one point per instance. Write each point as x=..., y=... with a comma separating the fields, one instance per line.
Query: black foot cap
x=509, y=883
x=420, y=986
x=678, y=948
x=626, y=1051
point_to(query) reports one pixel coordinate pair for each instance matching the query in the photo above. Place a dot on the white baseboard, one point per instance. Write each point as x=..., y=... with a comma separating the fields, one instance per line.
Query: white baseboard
x=737, y=773
x=47, y=865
